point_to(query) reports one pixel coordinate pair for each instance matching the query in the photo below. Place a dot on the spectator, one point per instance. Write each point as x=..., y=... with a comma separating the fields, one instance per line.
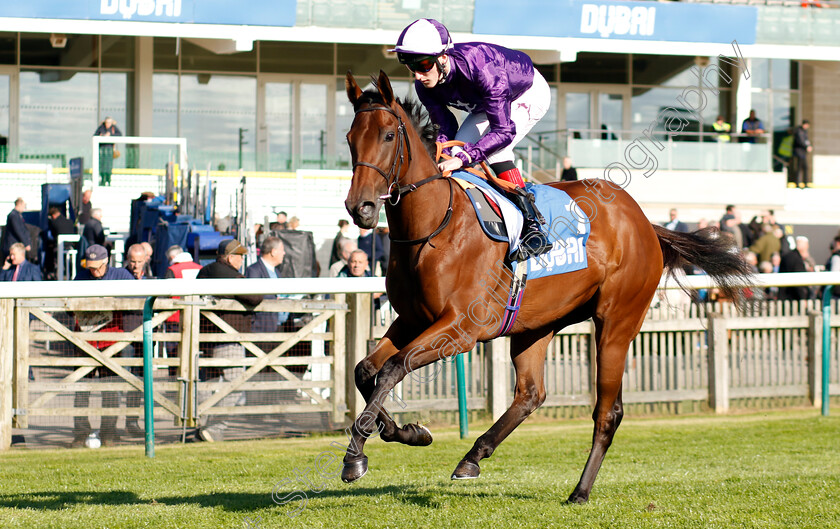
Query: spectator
x=258, y=233
x=171, y=252
x=769, y=243
x=93, y=232
x=722, y=128
x=729, y=226
x=16, y=230
x=147, y=247
x=347, y=247
x=85, y=208
x=833, y=263
x=569, y=173
x=136, y=261
x=17, y=268
x=752, y=259
x=675, y=224
x=107, y=152
x=784, y=154
x=358, y=266
x=366, y=243
x=799, y=161
x=794, y=261
x=58, y=225
x=96, y=267
x=776, y=261
x=343, y=229
x=280, y=224
x=730, y=210
x=702, y=224
x=183, y=267
x=269, y=265
x=294, y=223
x=766, y=267
x=229, y=260
x=752, y=127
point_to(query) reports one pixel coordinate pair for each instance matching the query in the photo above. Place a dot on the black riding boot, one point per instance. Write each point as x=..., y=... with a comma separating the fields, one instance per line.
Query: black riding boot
x=533, y=240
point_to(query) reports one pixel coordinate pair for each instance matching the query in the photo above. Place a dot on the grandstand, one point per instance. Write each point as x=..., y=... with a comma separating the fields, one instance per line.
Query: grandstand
x=261, y=88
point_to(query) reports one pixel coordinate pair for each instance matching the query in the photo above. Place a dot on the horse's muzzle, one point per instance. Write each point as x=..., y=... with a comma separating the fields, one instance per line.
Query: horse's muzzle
x=365, y=215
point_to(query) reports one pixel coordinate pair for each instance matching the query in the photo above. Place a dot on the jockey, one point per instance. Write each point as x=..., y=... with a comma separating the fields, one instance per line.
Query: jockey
x=501, y=91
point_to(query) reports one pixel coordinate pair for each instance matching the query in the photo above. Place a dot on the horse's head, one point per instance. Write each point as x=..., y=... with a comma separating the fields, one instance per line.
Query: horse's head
x=378, y=147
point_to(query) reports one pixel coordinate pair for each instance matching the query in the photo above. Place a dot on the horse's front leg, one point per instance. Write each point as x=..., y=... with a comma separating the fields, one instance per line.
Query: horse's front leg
x=397, y=336
x=439, y=341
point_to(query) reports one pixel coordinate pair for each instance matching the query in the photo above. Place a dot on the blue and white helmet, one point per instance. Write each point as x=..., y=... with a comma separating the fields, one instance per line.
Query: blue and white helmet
x=424, y=36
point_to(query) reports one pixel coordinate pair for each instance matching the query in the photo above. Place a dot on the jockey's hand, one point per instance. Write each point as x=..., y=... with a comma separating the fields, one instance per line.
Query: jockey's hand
x=452, y=164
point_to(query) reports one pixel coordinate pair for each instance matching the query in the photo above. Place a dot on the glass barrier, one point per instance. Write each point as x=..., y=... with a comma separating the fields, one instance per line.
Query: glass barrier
x=677, y=155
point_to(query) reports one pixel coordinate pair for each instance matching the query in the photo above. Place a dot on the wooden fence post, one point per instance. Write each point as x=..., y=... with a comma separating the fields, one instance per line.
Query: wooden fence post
x=498, y=376
x=718, y=363
x=815, y=324
x=190, y=341
x=7, y=354
x=358, y=334
x=20, y=395
x=339, y=353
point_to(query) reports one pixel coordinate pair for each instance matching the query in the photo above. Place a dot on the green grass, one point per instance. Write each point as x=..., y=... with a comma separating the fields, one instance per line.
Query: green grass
x=768, y=470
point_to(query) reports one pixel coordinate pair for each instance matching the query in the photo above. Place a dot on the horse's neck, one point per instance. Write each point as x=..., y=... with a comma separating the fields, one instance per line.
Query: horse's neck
x=420, y=212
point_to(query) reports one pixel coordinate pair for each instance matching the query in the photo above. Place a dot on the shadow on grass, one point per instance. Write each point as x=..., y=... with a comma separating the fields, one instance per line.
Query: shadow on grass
x=431, y=496
x=48, y=500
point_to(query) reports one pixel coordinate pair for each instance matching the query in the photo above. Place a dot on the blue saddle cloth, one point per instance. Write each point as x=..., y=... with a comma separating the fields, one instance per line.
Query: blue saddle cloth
x=567, y=227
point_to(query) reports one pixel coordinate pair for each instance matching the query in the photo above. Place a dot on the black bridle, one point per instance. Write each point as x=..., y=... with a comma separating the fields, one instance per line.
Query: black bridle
x=393, y=175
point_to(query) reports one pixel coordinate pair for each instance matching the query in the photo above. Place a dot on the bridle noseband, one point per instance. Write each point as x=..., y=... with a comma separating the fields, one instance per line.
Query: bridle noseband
x=393, y=175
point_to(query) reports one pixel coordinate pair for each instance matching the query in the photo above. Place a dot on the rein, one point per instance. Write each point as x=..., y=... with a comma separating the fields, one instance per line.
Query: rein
x=392, y=178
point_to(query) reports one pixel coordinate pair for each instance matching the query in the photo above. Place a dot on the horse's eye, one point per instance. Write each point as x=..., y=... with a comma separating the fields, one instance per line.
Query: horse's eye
x=389, y=136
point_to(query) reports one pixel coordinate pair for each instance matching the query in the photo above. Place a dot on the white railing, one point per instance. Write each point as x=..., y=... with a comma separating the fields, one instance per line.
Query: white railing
x=139, y=140
x=314, y=285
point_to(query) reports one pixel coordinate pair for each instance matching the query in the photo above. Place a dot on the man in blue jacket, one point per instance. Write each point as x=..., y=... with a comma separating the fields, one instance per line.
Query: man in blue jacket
x=269, y=265
x=17, y=268
x=96, y=267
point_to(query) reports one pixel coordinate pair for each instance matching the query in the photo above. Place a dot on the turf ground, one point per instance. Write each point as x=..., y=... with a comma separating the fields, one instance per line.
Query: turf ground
x=767, y=470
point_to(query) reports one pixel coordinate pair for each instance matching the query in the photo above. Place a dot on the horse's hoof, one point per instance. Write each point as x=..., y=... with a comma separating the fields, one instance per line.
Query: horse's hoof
x=578, y=498
x=419, y=435
x=466, y=470
x=353, y=470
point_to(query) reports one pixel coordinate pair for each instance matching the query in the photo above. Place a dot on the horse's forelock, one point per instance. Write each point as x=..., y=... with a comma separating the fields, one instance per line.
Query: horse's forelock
x=413, y=109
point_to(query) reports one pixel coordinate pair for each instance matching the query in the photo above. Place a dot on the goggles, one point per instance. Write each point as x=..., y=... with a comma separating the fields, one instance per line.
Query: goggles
x=418, y=63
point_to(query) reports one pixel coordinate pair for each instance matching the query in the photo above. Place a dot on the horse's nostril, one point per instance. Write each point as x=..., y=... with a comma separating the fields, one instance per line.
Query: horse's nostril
x=366, y=209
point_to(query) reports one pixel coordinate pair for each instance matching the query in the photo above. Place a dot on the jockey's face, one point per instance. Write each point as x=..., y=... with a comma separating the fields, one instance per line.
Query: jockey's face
x=430, y=79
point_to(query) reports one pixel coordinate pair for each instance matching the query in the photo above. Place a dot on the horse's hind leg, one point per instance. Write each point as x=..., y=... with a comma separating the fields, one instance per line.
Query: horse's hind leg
x=528, y=396
x=365, y=373
x=613, y=342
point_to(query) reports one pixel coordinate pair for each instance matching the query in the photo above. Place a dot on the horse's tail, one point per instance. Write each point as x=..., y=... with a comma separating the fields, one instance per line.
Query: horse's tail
x=713, y=253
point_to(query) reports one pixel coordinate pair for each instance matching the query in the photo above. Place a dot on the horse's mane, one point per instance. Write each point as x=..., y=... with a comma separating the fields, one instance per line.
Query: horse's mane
x=417, y=115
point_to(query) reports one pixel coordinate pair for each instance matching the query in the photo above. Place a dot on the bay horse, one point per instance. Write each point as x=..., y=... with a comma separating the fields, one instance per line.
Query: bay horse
x=436, y=274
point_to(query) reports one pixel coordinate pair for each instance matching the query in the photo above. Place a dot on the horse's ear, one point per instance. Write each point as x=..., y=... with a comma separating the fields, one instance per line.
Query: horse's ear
x=384, y=85
x=353, y=90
